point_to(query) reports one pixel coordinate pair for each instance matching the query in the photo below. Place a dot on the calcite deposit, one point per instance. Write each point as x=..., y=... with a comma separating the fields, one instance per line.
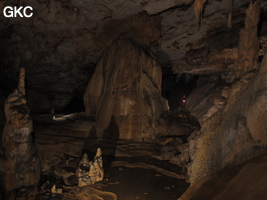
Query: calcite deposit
x=233, y=126
x=65, y=39
x=90, y=172
x=126, y=84
x=20, y=164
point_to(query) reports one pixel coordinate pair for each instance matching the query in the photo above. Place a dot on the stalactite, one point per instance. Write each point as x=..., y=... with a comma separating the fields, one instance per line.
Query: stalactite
x=198, y=7
x=230, y=3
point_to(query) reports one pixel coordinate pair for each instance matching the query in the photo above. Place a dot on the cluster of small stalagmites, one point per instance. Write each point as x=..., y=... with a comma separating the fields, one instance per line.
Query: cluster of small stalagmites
x=90, y=172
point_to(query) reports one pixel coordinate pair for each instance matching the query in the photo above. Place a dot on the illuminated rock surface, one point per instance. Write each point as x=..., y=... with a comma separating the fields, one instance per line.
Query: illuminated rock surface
x=20, y=163
x=88, y=173
x=126, y=85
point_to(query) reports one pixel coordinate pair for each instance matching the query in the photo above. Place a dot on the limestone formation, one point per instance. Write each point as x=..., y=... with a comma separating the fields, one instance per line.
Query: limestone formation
x=55, y=190
x=58, y=58
x=88, y=173
x=235, y=133
x=198, y=6
x=233, y=116
x=248, y=44
x=246, y=181
x=20, y=166
x=127, y=85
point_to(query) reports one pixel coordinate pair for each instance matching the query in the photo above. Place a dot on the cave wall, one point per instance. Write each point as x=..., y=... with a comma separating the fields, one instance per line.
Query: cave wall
x=38, y=102
x=208, y=97
x=235, y=130
x=127, y=85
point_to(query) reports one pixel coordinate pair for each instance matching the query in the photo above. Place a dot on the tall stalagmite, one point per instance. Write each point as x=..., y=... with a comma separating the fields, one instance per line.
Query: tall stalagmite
x=248, y=48
x=126, y=84
x=20, y=165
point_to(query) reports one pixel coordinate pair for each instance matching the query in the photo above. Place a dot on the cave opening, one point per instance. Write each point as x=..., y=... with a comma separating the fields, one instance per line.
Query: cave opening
x=75, y=105
x=174, y=86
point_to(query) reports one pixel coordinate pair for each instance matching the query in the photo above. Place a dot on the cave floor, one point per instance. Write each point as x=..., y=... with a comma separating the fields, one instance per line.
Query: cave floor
x=133, y=170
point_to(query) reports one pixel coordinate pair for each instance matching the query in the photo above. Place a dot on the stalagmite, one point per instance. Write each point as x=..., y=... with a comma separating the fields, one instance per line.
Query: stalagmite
x=88, y=173
x=21, y=166
x=54, y=189
x=248, y=43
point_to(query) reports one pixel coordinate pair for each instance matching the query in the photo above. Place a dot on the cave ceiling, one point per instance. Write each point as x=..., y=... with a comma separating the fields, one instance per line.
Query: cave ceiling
x=63, y=40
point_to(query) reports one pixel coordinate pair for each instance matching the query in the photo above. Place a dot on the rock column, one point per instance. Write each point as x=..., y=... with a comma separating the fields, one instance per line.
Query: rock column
x=20, y=165
x=248, y=48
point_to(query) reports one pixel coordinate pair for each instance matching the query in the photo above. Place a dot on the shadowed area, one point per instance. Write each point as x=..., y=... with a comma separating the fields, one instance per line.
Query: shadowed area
x=245, y=182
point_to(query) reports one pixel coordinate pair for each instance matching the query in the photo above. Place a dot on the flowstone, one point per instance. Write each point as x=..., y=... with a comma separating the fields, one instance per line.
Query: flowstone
x=126, y=86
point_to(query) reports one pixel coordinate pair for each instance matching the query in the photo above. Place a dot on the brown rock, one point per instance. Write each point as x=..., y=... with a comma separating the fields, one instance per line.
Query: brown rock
x=240, y=183
x=21, y=166
x=126, y=84
x=248, y=43
x=88, y=173
x=235, y=134
x=207, y=98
